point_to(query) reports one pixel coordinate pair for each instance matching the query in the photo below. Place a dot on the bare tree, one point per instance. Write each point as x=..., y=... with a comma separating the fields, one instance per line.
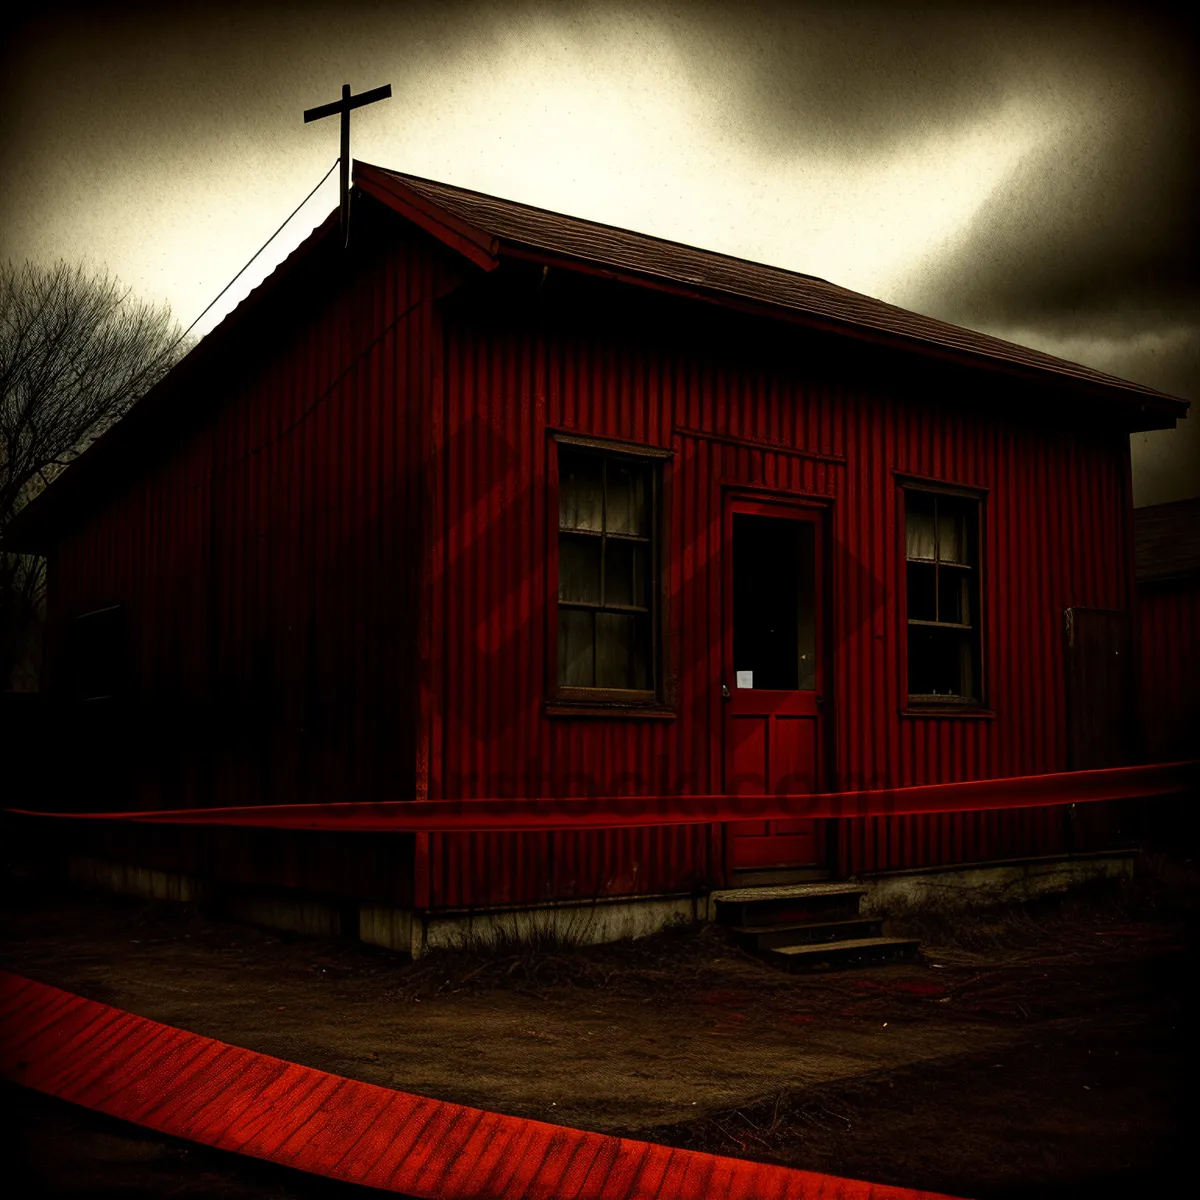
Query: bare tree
x=76, y=352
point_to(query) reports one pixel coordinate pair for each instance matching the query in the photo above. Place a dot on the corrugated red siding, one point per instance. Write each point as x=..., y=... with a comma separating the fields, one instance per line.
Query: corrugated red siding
x=1169, y=668
x=1056, y=534
x=390, y=445
x=267, y=561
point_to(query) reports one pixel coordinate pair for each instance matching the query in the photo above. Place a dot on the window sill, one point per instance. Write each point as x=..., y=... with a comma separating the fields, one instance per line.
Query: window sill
x=933, y=708
x=622, y=712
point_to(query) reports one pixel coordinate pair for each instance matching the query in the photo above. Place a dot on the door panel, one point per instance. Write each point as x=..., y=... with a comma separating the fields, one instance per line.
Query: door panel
x=775, y=676
x=794, y=747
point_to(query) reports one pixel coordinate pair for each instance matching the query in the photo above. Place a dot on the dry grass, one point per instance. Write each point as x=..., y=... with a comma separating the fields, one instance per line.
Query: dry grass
x=679, y=957
x=1011, y=964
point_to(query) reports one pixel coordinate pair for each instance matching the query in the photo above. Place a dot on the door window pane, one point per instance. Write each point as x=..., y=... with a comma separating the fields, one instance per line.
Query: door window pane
x=806, y=629
x=774, y=627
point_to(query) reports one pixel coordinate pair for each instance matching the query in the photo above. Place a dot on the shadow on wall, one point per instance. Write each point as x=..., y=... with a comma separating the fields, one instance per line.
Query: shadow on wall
x=501, y=627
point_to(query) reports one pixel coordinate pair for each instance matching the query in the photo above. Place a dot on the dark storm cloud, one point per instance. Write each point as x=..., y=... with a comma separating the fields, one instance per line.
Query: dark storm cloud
x=1099, y=224
x=850, y=79
x=1086, y=247
x=860, y=77
x=1096, y=225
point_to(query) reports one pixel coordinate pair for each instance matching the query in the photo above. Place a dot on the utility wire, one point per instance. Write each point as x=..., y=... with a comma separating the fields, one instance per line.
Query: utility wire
x=255, y=255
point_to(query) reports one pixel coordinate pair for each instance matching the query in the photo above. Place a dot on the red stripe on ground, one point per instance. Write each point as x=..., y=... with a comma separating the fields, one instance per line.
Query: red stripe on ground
x=189, y=1086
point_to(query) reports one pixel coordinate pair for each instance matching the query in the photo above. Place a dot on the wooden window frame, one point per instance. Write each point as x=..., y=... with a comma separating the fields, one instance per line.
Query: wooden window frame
x=570, y=700
x=933, y=704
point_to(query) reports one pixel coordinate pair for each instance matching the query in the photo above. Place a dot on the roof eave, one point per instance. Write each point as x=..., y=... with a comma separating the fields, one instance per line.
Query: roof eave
x=1145, y=408
x=1166, y=409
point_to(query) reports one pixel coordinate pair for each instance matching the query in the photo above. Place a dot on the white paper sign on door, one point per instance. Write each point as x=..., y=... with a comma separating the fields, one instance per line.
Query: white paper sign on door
x=745, y=679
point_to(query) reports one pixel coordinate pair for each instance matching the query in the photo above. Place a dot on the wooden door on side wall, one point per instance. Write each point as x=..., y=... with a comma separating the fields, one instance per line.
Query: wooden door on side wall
x=775, y=676
x=1100, y=715
x=1100, y=718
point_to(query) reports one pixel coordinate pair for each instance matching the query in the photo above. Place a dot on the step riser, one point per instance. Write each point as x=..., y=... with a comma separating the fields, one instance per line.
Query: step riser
x=805, y=937
x=874, y=957
x=780, y=877
x=818, y=909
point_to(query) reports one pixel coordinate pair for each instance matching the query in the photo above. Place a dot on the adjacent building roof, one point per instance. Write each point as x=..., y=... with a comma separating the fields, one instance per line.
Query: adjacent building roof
x=1166, y=541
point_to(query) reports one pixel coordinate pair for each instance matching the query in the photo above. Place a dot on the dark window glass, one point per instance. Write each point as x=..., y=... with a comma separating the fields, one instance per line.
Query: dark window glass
x=920, y=524
x=98, y=654
x=922, y=591
x=579, y=567
x=581, y=491
x=940, y=662
x=606, y=571
x=942, y=548
x=576, y=647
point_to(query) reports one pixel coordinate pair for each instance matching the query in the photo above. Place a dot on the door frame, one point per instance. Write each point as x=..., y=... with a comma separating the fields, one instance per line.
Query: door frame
x=820, y=507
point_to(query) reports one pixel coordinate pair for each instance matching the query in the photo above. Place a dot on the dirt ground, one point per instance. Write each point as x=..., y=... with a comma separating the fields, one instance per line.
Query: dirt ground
x=1030, y=1052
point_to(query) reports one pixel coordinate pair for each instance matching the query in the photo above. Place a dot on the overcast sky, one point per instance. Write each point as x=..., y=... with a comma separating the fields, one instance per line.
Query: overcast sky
x=1028, y=170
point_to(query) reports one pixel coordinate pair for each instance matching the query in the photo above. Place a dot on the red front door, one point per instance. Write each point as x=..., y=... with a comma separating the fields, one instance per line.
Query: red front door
x=774, y=675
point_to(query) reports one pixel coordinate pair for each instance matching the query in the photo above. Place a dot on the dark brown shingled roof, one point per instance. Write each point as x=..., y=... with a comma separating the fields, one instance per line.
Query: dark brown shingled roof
x=521, y=225
x=1166, y=541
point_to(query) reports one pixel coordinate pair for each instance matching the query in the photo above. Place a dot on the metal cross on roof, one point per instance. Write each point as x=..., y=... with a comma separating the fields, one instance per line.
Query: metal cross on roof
x=343, y=106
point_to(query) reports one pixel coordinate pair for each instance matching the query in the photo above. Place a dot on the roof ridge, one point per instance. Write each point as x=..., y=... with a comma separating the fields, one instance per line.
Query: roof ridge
x=654, y=237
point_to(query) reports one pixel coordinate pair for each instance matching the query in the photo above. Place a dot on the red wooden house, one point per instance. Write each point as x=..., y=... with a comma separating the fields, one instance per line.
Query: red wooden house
x=499, y=502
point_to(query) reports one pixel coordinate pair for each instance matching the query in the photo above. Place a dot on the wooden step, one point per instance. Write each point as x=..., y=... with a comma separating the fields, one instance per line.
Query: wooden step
x=855, y=952
x=766, y=937
x=791, y=905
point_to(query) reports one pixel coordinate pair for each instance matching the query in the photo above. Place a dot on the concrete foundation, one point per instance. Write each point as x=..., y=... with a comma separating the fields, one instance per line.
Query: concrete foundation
x=293, y=911
x=984, y=885
x=584, y=923
x=391, y=928
x=126, y=880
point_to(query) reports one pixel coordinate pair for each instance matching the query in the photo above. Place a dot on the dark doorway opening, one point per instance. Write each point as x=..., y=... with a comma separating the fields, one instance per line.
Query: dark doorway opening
x=773, y=612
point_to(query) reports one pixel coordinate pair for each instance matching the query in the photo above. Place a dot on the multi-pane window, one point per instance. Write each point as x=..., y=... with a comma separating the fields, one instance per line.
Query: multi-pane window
x=942, y=552
x=607, y=572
